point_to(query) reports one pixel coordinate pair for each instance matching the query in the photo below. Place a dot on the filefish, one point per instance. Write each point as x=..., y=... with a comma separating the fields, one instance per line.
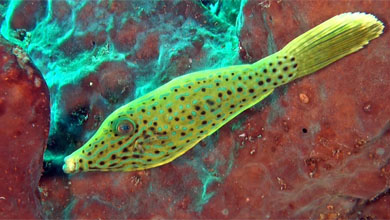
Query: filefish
x=165, y=123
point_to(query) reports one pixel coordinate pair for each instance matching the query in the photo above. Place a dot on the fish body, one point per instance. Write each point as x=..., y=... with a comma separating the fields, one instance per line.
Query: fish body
x=164, y=124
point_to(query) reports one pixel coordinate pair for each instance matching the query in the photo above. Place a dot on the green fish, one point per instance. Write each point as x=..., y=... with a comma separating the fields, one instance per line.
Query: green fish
x=163, y=124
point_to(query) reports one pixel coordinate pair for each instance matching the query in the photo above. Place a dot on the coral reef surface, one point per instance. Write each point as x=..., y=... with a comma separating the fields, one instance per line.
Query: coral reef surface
x=315, y=148
x=24, y=129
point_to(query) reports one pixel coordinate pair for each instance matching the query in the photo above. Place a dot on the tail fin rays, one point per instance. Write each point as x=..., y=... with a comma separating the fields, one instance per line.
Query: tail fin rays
x=332, y=40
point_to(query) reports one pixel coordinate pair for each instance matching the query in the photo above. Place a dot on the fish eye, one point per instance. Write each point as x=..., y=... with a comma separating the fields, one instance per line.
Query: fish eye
x=124, y=127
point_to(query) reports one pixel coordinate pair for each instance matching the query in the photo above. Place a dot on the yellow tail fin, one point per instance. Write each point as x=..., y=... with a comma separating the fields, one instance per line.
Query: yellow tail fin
x=332, y=40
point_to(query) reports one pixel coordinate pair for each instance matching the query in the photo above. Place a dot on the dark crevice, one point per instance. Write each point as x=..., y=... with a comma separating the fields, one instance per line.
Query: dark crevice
x=361, y=204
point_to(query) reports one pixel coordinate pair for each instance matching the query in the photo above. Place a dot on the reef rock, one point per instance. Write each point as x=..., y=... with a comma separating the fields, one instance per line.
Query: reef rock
x=316, y=148
x=24, y=128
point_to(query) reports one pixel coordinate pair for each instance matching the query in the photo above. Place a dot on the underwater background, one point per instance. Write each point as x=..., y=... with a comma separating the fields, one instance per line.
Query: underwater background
x=315, y=148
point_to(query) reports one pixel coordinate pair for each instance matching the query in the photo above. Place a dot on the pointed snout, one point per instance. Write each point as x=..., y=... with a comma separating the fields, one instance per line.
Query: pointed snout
x=69, y=164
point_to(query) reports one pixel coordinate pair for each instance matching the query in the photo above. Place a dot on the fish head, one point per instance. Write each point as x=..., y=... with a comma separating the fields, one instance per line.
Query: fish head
x=108, y=148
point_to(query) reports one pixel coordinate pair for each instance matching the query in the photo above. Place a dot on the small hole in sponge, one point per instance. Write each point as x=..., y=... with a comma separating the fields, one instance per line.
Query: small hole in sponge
x=304, y=130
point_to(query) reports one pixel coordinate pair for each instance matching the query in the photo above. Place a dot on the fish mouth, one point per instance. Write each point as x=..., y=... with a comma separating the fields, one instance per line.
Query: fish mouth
x=69, y=165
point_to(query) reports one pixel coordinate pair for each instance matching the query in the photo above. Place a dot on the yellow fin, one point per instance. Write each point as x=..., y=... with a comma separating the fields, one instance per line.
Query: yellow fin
x=332, y=40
